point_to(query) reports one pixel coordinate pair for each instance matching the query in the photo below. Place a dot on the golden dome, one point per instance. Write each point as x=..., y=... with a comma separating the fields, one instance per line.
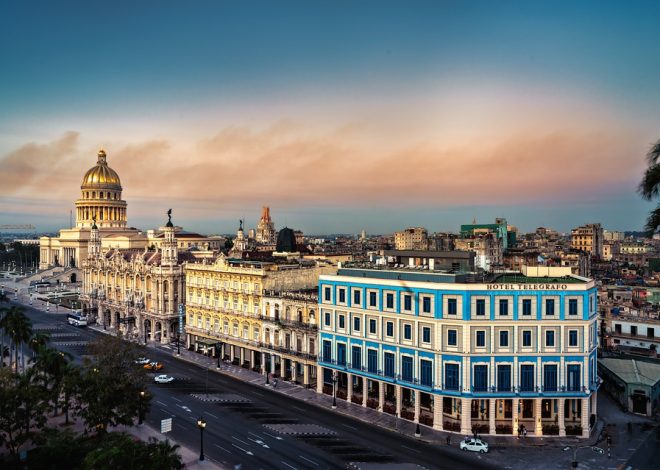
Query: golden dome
x=101, y=175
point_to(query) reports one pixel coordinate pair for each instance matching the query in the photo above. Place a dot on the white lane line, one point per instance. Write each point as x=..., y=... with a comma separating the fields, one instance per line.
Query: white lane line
x=211, y=414
x=410, y=448
x=349, y=427
x=310, y=461
x=222, y=448
x=290, y=466
x=274, y=437
x=298, y=408
x=246, y=443
x=161, y=403
x=175, y=398
x=246, y=451
x=255, y=435
x=258, y=394
x=167, y=412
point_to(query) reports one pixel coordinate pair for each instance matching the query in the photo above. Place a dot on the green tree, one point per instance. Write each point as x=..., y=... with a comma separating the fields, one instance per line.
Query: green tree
x=111, y=383
x=18, y=327
x=117, y=450
x=51, y=366
x=649, y=187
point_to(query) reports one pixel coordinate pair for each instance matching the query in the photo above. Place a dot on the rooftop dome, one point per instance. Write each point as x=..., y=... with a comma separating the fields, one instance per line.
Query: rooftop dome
x=101, y=175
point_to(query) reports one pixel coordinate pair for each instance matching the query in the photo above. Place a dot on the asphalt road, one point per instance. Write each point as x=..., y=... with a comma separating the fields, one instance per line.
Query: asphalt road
x=237, y=430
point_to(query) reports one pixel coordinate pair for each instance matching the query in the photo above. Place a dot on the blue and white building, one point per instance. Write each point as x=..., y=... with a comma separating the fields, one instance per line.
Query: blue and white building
x=493, y=354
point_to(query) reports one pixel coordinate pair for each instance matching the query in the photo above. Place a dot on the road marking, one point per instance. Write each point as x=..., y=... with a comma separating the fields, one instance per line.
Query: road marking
x=310, y=461
x=167, y=412
x=290, y=466
x=246, y=443
x=349, y=427
x=211, y=414
x=255, y=435
x=410, y=448
x=300, y=409
x=185, y=408
x=246, y=451
x=222, y=448
x=175, y=398
x=274, y=437
x=161, y=403
x=259, y=442
x=258, y=394
x=632, y=449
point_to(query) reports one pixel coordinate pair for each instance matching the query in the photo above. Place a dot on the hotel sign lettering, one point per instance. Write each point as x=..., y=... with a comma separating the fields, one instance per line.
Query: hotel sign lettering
x=526, y=286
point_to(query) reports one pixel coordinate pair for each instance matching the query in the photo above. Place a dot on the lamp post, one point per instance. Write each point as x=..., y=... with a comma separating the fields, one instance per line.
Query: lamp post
x=178, y=343
x=140, y=418
x=334, y=389
x=201, y=424
x=218, y=348
x=574, y=463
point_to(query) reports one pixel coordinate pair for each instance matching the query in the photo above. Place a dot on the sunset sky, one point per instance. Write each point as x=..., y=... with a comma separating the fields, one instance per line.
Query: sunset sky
x=339, y=115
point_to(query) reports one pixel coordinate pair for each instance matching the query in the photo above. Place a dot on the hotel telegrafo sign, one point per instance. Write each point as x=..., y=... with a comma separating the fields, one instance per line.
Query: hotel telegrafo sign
x=526, y=286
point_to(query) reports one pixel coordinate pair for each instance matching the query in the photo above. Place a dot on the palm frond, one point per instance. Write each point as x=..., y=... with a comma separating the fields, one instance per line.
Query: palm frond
x=653, y=154
x=649, y=187
x=652, y=222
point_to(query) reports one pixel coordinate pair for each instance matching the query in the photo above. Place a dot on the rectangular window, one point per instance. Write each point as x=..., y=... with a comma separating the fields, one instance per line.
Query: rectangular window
x=327, y=351
x=633, y=330
x=372, y=326
x=426, y=334
x=504, y=339
x=407, y=332
x=426, y=304
x=407, y=368
x=481, y=307
x=572, y=338
x=527, y=307
x=372, y=361
x=480, y=378
x=389, y=329
x=326, y=318
x=481, y=339
x=550, y=378
x=574, y=381
x=342, y=296
x=356, y=357
x=327, y=294
x=527, y=338
x=356, y=323
x=426, y=372
x=373, y=300
x=572, y=306
x=342, y=321
x=549, y=306
x=550, y=339
x=452, y=307
x=504, y=307
x=451, y=377
x=389, y=364
x=357, y=300
x=341, y=354
x=407, y=302
x=526, y=378
x=504, y=378
x=451, y=338
x=389, y=300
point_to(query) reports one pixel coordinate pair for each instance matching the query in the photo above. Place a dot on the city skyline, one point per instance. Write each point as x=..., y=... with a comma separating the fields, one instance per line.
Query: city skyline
x=366, y=116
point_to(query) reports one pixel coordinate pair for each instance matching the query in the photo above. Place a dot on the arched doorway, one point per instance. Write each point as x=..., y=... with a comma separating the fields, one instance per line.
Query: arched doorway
x=158, y=331
x=73, y=277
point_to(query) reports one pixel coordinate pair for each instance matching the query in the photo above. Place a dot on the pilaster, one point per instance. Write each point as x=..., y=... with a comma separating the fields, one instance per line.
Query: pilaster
x=466, y=419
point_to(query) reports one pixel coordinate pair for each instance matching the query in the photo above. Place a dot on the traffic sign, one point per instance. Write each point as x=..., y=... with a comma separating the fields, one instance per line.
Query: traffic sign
x=165, y=425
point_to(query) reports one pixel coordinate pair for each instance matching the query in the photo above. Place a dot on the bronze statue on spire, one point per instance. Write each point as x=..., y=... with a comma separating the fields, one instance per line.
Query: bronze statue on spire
x=169, y=218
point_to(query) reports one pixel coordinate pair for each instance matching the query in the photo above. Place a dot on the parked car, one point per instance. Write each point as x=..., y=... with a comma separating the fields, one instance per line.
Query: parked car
x=475, y=445
x=163, y=379
x=142, y=360
x=153, y=366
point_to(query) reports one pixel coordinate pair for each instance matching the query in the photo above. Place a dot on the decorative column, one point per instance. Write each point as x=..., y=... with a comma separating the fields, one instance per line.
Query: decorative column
x=294, y=371
x=349, y=387
x=466, y=419
x=514, y=411
x=263, y=362
x=397, y=393
x=491, y=416
x=319, y=379
x=241, y=354
x=561, y=416
x=437, y=412
x=365, y=391
x=585, y=418
x=381, y=395
x=252, y=358
x=538, y=428
x=306, y=375
x=282, y=367
x=418, y=398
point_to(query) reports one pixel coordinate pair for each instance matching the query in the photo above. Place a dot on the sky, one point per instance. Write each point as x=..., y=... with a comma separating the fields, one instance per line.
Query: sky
x=339, y=115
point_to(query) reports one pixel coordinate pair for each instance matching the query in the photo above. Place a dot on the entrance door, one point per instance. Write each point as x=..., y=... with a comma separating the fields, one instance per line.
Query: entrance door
x=639, y=403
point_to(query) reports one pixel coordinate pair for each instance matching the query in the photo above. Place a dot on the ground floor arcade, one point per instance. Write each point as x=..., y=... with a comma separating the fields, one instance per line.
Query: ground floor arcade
x=533, y=416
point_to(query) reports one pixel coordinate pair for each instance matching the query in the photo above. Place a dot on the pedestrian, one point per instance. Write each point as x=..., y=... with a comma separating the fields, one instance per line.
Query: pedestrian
x=524, y=432
x=448, y=440
x=274, y=383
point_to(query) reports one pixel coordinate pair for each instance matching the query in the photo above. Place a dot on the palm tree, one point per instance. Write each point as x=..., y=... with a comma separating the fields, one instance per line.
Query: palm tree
x=649, y=187
x=51, y=365
x=18, y=327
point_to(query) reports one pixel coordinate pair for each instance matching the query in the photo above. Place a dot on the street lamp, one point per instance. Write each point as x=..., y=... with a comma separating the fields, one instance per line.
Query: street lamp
x=201, y=424
x=218, y=349
x=334, y=389
x=574, y=463
x=140, y=418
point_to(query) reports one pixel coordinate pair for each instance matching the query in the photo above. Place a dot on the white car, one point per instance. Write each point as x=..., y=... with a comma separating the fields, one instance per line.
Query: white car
x=163, y=379
x=475, y=445
x=142, y=360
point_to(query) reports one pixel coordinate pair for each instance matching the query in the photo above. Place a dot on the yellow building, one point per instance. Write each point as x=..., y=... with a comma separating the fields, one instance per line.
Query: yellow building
x=588, y=238
x=224, y=304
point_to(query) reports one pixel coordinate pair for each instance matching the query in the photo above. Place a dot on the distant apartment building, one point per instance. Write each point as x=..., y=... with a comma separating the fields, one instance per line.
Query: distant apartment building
x=612, y=236
x=579, y=262
x=632, y=331
x=502, y=231
x=588, y=238
x=413, y=238
x=487, y=248
x=457, y=261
